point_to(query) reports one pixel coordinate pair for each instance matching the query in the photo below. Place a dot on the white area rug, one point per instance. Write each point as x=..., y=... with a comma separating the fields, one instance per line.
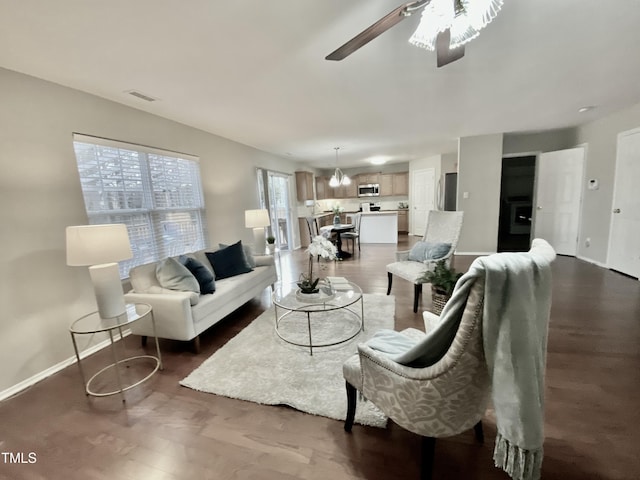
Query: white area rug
x=258, y=366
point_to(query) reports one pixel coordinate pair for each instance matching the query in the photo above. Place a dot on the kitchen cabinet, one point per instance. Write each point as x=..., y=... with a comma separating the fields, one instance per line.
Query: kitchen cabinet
x=401, y=183
x=322, y=188
x=349, y=191
x=304, y=186
x=403, y=221
x=386, y=184
x=367, y=178
x=394, y=184
x=324, y=191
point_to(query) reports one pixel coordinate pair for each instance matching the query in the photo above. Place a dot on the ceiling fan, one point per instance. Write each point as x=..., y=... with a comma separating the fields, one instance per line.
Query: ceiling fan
x=445, y=27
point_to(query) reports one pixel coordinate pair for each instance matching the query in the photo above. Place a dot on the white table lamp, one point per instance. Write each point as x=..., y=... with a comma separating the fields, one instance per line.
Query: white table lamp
x=257, y=219
x=100, y=247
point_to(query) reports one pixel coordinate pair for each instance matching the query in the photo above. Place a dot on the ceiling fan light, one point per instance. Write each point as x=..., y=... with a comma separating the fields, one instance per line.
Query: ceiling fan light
x=465, y=25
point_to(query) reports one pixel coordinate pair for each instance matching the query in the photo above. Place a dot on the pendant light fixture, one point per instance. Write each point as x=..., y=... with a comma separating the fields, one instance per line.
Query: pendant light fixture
x=338, y=178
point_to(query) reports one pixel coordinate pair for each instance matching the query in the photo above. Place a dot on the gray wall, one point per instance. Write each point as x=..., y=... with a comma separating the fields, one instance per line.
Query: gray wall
x=601, y=138
x=40, y=195
x=479, y=167
x=548, y=141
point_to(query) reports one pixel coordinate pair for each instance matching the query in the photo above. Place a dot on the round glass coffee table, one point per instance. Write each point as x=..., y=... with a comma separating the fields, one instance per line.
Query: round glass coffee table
x=321, y=320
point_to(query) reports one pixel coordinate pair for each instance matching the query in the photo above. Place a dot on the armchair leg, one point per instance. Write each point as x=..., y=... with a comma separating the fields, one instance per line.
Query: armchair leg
x=428, y=450
x=477, y=428
x=417, y=290
x=389, y=284
x=351, y=407
x=143, y=340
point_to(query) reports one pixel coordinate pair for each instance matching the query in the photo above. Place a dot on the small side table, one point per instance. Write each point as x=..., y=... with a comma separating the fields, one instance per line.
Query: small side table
x=92, y=323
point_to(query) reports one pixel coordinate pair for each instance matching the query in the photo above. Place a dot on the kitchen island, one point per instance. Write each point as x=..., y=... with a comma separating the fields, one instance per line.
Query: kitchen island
x=379, y=227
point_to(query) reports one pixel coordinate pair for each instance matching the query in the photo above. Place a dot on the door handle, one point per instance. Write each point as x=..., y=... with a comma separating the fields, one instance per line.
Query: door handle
x=616, y=210
x=538, y=207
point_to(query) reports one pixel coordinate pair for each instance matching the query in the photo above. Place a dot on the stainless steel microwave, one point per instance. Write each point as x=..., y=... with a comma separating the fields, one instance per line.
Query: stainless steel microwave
x=369, y=190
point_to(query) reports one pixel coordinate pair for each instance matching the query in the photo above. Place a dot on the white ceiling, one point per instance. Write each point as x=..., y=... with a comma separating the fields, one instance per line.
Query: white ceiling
x=254, y=70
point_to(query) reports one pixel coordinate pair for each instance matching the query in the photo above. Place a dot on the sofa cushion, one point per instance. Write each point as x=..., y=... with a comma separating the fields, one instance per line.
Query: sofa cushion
x=203, y=275
x=229, y=262
x=173, y=275
x=143, y=278
x=248, y=253
x=228, y=291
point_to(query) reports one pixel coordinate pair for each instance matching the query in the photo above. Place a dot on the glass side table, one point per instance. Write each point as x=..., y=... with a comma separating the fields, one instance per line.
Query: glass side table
x=92, y=323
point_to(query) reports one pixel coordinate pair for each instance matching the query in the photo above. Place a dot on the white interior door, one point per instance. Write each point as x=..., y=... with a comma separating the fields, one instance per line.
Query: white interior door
x=422, y=198
x=624, y=247
x=559, y=183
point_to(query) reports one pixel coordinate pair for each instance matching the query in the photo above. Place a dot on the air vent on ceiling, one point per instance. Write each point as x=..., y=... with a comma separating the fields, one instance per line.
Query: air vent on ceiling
x=142, y=96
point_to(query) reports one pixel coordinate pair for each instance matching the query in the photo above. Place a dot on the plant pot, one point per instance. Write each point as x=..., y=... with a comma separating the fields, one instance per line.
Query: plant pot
x=438, y=301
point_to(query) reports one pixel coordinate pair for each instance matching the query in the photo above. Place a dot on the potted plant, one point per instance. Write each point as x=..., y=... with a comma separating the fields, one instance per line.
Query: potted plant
x=271, y=240
x=443, y=279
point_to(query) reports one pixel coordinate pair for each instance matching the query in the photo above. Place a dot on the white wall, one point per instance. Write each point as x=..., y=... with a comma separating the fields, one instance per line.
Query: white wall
x=40, y=195
x=601, y=139
x=479, y=169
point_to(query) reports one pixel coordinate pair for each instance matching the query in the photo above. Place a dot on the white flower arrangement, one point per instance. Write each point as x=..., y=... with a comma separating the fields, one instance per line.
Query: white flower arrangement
x=322, y=247
x=337, y=209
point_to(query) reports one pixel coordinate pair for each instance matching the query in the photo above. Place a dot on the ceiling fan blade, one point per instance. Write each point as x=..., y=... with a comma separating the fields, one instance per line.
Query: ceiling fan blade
x=378, y=28
x=445, y=54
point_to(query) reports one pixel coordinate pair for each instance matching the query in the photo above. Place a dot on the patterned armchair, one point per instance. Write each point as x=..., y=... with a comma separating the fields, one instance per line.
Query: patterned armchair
x=441, y=400
x=442, y=227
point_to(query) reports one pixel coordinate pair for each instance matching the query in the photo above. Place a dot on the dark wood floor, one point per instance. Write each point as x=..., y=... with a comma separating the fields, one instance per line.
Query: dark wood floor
x=166, y=431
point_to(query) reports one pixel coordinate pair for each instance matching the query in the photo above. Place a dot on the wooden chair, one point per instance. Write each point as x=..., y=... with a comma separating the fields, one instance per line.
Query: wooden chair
x=355, y=234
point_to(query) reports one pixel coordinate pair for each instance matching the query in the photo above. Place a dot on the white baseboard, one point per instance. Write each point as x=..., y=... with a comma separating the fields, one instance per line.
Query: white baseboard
x=23, y=385
x=477, y=254
x=590, y=260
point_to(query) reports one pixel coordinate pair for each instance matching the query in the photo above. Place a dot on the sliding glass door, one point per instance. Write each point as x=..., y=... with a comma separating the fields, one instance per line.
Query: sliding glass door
x=274, y=188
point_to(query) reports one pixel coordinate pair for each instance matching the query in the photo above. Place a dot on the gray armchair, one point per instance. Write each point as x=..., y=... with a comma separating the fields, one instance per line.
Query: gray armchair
x=489, y=342
x=442, y=227
x=440, y=400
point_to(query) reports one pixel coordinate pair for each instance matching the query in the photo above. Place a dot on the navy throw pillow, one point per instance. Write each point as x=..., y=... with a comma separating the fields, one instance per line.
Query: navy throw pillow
x=203, y=275
x=229, y=262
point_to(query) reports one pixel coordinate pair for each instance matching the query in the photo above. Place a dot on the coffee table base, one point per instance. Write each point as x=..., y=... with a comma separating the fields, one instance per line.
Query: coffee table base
x=310, y=344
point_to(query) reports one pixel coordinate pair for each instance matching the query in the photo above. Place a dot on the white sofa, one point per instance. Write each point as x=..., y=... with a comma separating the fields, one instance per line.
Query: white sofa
x=184, y=315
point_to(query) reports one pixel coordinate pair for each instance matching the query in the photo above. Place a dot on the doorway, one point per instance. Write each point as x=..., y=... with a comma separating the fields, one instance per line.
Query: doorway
x=624, y=249
x=274, y=188
x=558, y=198
x=422, y=199
x=516, y=203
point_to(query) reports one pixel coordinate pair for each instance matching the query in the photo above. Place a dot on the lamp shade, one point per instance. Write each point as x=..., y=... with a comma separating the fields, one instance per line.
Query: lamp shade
x=256, y=218
x=97, y=244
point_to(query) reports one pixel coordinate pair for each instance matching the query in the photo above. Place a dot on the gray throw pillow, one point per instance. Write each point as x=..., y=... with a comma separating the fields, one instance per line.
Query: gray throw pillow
x=171, y=274
x=418, y=252
x=422, y=251
x=436, y=251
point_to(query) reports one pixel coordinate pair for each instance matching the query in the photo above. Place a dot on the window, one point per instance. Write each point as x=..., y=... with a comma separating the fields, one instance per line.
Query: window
x=157, y=194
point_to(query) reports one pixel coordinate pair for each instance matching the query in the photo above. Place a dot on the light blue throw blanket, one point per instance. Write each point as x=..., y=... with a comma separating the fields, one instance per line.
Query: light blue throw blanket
x=517, y=302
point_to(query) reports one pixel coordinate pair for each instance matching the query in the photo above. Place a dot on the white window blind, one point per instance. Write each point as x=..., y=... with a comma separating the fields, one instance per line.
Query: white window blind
x=157, y=194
